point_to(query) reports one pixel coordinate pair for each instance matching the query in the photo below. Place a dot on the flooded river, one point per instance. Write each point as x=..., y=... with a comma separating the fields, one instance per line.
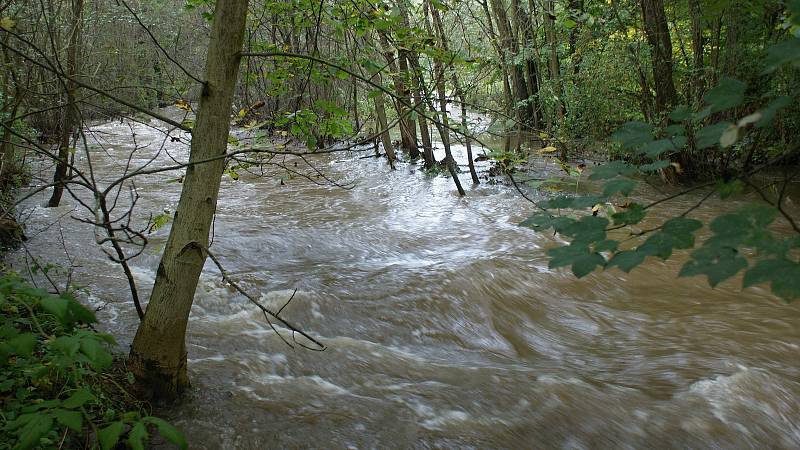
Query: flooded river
x=444, y=326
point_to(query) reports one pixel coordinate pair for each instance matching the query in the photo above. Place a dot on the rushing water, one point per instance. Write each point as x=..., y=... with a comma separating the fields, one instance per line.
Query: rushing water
x=444, y=326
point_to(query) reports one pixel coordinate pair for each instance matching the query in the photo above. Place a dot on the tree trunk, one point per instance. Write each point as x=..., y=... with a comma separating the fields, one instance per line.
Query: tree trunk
x=503, y=66
x=443, y=125
x=158, y=354
x=698, y=78
x=553, y=63
x=459, y=94
x=655, y=27
x=399, y=70
x=70, y=115
x=383, y=124
x=511, y=49
x=525, y=33
x=419, y=106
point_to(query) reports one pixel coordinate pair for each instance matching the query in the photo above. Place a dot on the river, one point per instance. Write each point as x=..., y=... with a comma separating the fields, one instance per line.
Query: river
x=444, y=326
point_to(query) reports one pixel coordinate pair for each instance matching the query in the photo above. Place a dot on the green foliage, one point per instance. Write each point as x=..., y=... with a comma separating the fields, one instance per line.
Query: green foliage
x=52, y=372
x=740, y=241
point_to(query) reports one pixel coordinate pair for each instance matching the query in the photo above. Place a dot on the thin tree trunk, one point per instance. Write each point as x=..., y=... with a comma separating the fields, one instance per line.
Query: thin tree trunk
x=655, y=26
x=158, y=355
x=419, y=106
x=511, y=48
x=525, y=33
x=553, y=63
x=70, y=115
x=383, y=124
x=508, y=96
x=399, y=70
x=698, y=79
x=459, y=93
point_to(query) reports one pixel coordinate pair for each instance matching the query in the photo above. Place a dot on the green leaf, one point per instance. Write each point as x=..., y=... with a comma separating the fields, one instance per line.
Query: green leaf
x=656, y=148
x=23, y=344
x=784, y=276
x=587, y=230
x=98, y=356
x=71, y=419
x=38, y=405
x=785, y=52
x=566, y=255
x=726, y=190
x=608, y=245
x=622, y=185
x=771, y=110
x=710, y=135
x=634, y=214
x=676, y=233
x=656, y=165
x=77, y=313
x=68, y=345
x=611, y=170
x=675, y=130
x=33, y=430
x=538, y=222
x=78, y=398
x=633, y=135
x=138, y=436
x=109, y=436
x=56, y=306
x=169, y=432
x=626, y=260
x=559, y=202
x=717, y=263
x=729, y=93
x=681, y=113
x=586, y=264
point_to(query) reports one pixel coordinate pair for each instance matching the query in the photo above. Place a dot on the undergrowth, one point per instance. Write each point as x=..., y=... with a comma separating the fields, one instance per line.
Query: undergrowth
x=60, y=386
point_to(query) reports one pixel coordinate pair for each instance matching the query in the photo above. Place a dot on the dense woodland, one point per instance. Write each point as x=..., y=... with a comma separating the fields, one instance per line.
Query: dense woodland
x=698, y=94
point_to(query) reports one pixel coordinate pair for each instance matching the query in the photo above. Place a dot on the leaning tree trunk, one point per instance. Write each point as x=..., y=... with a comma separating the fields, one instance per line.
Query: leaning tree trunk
x=655, y=27
x=70, y=115
x=158, y=354
x=383, y=124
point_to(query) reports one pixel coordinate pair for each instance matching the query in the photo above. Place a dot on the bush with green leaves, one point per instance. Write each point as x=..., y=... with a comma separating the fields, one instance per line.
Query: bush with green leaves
x=58, y=388
x=741, y=240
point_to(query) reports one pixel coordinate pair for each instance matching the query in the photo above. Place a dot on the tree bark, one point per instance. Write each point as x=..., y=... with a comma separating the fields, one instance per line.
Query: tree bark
x=443, y=125
x=511, y=49
x=655, y=27
x=503, y=66
x=383, y=124
x=698, y=78
x=553, y=63
x=70, y=114
x=158, y=355
x=459, y=93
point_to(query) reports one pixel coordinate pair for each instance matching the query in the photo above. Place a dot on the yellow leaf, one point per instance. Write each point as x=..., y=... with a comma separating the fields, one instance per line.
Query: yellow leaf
x=549, y=149
x=184, y=105
x=747, y=120
x=729, y=137
x=7, y=23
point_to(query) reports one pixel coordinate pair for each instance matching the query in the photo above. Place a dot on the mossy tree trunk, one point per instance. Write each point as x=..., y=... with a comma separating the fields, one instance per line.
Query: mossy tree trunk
x=158, y=354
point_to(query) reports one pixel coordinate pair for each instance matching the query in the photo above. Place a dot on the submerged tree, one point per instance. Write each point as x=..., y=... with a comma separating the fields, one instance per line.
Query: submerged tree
x=158, y=353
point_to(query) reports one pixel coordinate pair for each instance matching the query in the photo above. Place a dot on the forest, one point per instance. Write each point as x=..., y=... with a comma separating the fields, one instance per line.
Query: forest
x=401, y=223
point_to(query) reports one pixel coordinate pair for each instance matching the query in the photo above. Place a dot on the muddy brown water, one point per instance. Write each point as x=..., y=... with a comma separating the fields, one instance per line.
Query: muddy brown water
x=445, y=328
